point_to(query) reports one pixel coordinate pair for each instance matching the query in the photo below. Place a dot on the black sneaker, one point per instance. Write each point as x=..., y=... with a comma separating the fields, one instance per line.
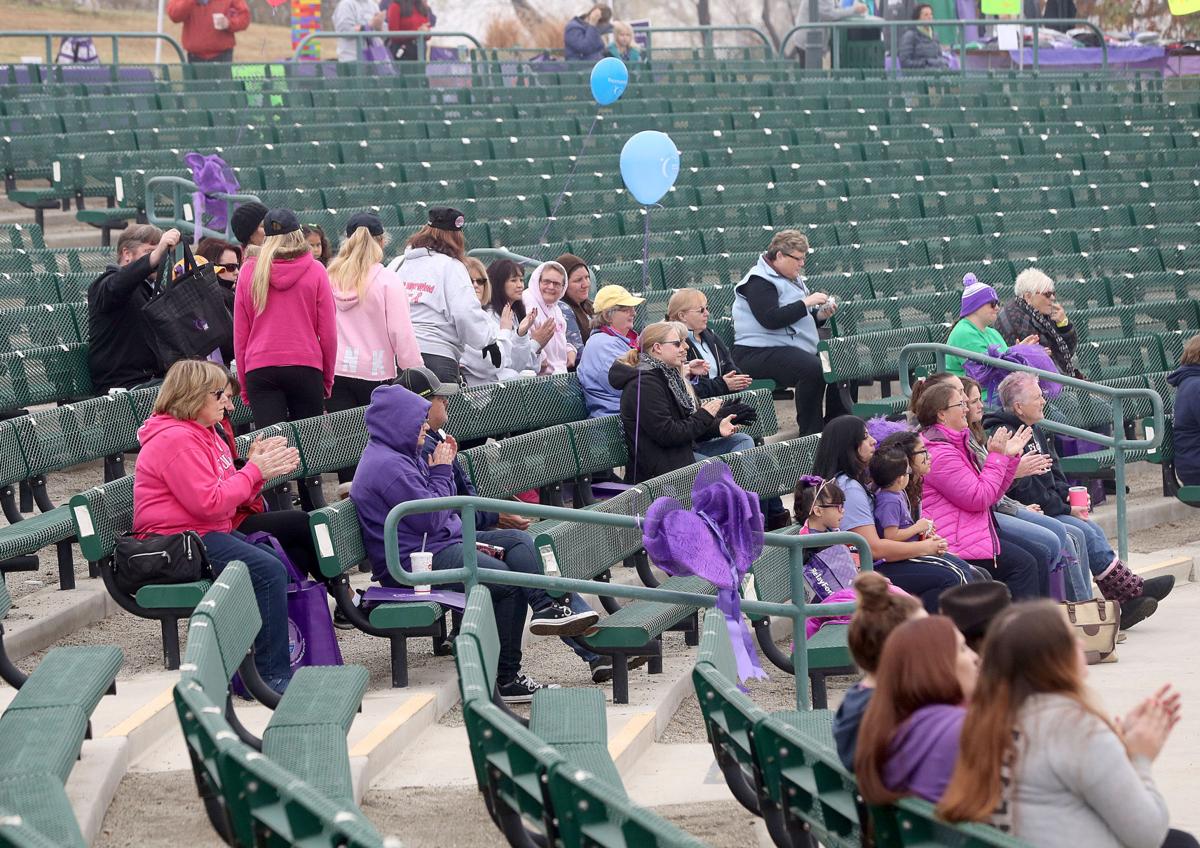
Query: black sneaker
x=520, y=689
x=602, y=669
x=561, y=620
x=1137, y=609
x=339, y=618
x=1158, y=587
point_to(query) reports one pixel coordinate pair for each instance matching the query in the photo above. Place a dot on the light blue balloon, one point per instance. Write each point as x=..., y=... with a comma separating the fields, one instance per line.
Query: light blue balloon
x=649, y=165
x=610, y=78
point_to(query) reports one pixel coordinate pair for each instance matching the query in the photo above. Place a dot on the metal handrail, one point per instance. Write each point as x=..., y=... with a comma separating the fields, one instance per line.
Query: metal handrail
x=488, y=255
x=181, y=194
x=893, y=26
x=1116, y=441
x=422, y=37
x=115, y=36
x=708, y=34
x=470, y=575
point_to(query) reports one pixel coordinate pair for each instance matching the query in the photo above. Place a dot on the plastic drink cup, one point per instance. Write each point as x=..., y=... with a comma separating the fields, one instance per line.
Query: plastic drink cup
x=422, y=561
x=1077, y=496
x=220, y=22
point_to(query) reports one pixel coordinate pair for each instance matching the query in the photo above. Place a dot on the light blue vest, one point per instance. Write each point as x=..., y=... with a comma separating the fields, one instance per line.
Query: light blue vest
x=748, y=332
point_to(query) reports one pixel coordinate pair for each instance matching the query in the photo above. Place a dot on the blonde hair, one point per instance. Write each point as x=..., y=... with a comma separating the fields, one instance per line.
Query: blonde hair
x=682, y=301
x=477, y=269
x=351, y=268
x=186, y=387
x=655, y=333
x=787, y=240
x=622, y=28
x=284, y=247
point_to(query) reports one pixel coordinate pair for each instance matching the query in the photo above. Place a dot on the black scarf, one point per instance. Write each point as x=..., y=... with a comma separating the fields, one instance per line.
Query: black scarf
x=674, y=381
x=1047, y=329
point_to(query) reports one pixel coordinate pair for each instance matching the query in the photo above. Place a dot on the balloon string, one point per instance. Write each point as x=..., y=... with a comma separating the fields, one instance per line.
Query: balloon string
x=646, y=251
x=566, y=186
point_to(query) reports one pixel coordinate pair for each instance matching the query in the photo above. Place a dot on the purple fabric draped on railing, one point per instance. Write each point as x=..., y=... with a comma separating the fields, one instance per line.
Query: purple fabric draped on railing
x=212, y=175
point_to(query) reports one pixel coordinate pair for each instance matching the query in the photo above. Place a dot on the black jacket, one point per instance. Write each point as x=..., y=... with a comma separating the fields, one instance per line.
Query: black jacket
x=666, y=434
x=706, y=386
x=119, y=355
x=1050, y=490
x=918, y=50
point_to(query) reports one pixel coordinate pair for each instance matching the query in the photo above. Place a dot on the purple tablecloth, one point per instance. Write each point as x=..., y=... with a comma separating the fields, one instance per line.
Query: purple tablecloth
x=1071, y=58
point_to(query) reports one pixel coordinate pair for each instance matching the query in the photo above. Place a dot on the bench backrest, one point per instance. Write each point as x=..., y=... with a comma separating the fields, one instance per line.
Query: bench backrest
x=101, y=514
x=869, y=356
x=515, y=406
x=590, y=811
x=598, y=444
x=331, y=442
x=479, y=625
x=520, y=463
x=229, y=614
x=69, y=435
x=584, y=551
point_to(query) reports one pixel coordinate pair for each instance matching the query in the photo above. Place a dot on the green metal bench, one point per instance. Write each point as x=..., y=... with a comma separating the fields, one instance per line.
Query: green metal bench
x=337, y=537
x=307, y=730
x=43, y=730
x=553, y=780
x=869, y=357
x=100, y=515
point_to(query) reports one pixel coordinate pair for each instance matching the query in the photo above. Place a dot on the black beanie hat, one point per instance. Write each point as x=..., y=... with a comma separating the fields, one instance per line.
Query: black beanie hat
x=245, y=220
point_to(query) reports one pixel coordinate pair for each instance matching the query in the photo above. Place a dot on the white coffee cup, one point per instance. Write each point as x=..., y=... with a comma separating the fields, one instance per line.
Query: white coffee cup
x=220, y=22
x=421, y=561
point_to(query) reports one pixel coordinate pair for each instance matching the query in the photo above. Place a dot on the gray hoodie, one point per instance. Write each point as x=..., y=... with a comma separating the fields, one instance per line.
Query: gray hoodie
x=446, y=315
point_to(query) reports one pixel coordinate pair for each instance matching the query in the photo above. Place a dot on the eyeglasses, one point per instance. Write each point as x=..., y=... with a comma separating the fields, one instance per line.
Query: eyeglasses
x=221, y=395
x=921, y=453
x=231, y=268
x=1049, y=294
x=961, y=404
x=839, y=507
x=995, y=304
x=479, y=281
x=677, y=343
x=699, y=309
x=792, y=256
x=554, y=284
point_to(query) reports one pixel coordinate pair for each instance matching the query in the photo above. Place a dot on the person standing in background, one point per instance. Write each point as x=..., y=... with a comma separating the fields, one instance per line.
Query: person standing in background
x=209, y=27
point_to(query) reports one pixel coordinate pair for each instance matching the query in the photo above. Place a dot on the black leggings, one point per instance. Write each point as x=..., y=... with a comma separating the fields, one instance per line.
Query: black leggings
x=350, y=393
x=445, y=368
x=792, y=368
x=290, y=527
x=286, y=393
x=1179, y=839
x=1018, y=569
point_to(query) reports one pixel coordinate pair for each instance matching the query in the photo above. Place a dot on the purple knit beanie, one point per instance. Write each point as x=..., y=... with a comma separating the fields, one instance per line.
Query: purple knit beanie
x=976, y=294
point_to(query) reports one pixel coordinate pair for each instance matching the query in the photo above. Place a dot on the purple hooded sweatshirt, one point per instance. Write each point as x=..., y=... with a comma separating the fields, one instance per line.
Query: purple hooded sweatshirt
x=923, y=751
x=393, y=470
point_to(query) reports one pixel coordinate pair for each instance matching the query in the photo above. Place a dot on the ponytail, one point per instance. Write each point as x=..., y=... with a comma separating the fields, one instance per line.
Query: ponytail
x=351, y=269
x=284, y=247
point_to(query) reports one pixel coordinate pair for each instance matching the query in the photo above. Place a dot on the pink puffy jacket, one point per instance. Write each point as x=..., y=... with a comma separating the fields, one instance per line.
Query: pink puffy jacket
x=958, y=497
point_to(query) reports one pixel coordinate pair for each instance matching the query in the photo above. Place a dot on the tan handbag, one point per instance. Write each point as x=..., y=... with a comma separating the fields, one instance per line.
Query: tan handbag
x=1096, y=623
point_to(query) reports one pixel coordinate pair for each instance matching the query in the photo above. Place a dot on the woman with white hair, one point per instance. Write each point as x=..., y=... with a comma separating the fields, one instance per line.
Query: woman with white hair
x=1036, y=312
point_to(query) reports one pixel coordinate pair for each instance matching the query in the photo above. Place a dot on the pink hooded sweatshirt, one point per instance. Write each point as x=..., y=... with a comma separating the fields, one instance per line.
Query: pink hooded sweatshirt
x=375, y=333
x=297, y=327
x=186, y=479
x=553, y=359
x=958, y=496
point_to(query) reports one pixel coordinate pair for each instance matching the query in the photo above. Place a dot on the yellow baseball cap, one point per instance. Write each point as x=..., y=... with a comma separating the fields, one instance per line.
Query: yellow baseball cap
x=611, y=296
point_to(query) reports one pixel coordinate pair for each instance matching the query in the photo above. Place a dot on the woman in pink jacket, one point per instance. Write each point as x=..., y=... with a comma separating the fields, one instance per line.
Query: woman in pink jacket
x=186, y=480
x=284, y=330
x=374, y=331
x=958, y=495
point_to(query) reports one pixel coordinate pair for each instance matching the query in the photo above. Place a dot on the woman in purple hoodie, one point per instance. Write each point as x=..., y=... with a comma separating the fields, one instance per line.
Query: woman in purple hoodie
x=393, y=470
x=908, y=739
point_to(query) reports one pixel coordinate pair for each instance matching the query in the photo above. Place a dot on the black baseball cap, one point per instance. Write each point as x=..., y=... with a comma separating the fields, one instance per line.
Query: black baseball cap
x=364, y=219
x=280, y=222
x=423, y=382
x=446, y=218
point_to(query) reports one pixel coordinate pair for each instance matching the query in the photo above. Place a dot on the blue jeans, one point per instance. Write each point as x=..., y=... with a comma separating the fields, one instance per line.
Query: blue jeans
x=1099, y=552
x=269, y=578
x=721, y=446
x=578, y=604
x=1074, y=552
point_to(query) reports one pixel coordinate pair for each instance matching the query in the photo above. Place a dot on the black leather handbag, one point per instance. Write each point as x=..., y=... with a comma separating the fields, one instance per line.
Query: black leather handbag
x=187, y=316
x=158, y=560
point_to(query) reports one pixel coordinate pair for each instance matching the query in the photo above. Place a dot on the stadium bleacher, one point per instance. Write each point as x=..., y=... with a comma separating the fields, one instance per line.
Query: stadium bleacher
x=902, y=184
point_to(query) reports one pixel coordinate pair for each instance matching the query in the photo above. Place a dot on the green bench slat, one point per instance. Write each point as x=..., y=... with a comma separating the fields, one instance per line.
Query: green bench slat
x=173, y=595
x=328, y=694
x=36, y=532
x=573, y=722
x=817, y=724
x=1093, y=461
x=827, y=648
x=406, y=615
x=41, y=802
x=41, y=739
x=314, y=753
x=637, y=623
x=74, y=676
x=888, y=406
